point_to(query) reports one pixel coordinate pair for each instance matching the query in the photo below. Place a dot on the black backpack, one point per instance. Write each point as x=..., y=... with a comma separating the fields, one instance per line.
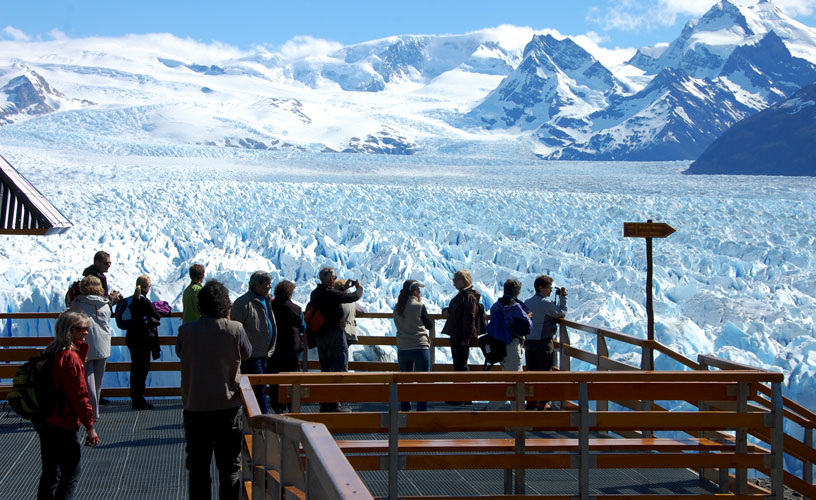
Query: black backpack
x=33, y=395
x=494, y=350
x=481, y=320
x=124, y=316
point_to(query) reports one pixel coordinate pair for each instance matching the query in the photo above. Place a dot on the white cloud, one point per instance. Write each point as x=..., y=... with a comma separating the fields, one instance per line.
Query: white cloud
x=608, y=57
x=12, y=33
x=631, y=15
x=56, y=34
x=303, y=47
x=797, y=7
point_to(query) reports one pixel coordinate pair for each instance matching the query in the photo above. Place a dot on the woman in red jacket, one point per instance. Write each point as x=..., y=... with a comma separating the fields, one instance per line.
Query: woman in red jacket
x=59, y=447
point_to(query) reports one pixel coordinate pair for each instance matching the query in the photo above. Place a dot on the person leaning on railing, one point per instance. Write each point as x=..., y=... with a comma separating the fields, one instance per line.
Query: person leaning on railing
x=332, y=347
x=413, y=328
x=540, y=354
x=211, y=350
x=461, y=324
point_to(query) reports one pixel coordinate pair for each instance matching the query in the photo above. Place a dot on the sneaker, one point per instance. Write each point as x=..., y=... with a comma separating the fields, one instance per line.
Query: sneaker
x=103, y=401
x=342, y=409
x=142, y=406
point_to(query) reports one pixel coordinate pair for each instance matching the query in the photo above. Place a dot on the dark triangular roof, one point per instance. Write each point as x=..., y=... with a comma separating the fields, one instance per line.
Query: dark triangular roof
x=24, y=209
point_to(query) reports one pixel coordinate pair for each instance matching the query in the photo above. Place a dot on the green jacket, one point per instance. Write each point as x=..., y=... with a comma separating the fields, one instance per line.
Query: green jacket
x=189, y=302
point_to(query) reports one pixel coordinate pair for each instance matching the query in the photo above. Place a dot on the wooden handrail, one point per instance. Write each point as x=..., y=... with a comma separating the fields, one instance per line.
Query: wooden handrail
x=791, y=410
x=329, y=471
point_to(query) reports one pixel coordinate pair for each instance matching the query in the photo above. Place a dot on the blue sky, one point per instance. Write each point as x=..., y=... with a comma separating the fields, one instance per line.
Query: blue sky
x=614, y=23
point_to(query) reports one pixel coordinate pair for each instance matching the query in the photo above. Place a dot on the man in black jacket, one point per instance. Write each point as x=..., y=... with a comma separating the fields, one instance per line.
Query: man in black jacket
x=332, y=348
x=101, y=265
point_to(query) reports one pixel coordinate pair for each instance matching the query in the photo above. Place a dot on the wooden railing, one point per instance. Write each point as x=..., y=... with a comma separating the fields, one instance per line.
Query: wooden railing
x=15, y=350
x=289, y=458
x=718, y=449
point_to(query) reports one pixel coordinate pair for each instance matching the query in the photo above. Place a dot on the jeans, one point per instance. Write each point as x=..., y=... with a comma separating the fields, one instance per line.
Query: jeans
x=459, y=354
x=59, y=450
x=332, y=351
x=279, y=364
x=414, y=360
x=208, y=432
x=139, y=368
x=94, y=371
x=257, y=365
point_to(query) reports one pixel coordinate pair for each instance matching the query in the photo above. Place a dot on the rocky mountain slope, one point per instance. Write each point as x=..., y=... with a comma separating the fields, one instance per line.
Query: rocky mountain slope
x=780, y=140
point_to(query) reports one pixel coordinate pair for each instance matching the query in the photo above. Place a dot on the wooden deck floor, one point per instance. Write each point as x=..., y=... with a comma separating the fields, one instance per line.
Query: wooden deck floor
x=142, y=457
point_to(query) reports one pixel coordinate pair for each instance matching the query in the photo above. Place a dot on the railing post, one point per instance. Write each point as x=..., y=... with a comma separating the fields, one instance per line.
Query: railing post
x=521, y=476
x=393, y=440
x=563, y=357
x=583, y=441
x=432, y=341
x=274, y=453
x=259, y=463
x=807, y=466
x=602, y=351
x=741, y=474
x=295, y=399
x=778, y=442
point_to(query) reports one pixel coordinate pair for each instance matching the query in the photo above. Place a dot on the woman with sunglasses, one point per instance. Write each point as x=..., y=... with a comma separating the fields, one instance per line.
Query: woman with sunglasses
x=59, y=447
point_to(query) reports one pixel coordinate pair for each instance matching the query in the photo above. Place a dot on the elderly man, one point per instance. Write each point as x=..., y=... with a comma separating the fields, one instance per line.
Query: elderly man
x=332, y=347
x=211, y=350
x=254, y=311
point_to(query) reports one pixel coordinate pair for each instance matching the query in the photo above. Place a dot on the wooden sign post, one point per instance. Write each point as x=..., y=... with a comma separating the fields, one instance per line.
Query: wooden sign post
x=648, y=230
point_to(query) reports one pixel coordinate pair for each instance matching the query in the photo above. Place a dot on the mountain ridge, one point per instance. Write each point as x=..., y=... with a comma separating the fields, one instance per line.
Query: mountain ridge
x=409, y=94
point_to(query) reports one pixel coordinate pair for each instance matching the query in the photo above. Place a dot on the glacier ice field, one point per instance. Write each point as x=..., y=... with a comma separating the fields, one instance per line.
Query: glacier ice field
x=736, y=280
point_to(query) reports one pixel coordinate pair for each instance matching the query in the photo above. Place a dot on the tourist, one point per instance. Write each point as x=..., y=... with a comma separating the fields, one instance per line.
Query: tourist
x=540, y=349
x=59, y=447
x=94, y=304
x=413, y=329
x=211, y=350
x=289, y=345
x=510, y=322
x=332, y=347
x=254, y=311
x=140, y=339
x=462, y=319
x=189, y=298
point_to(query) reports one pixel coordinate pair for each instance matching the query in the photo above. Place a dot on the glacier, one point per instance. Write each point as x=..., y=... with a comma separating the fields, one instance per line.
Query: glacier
x=735, y=280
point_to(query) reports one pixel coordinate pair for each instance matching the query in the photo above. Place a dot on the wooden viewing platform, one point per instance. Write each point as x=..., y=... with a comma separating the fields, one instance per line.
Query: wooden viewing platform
x=611, y=438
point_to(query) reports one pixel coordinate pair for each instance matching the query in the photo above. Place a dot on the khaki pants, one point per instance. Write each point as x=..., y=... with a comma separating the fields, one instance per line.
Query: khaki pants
x=511, y=363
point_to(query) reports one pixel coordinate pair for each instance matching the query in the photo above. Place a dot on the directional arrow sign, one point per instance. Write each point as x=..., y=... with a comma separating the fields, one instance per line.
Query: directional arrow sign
x=646, y=230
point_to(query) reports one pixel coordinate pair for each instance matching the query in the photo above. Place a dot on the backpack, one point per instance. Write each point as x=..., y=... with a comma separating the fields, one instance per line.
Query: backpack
x=124, y=316
x=494, y=350
x=72, y=293
x=481, y=321
x=33, y=395
x=314, y=318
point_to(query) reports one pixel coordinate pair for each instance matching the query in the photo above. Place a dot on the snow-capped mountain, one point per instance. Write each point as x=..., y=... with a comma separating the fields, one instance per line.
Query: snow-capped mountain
x=27, y=95
x=539, y=93
x=705, y=44
x=734, y=61
x=556, y=80
x=780, y=140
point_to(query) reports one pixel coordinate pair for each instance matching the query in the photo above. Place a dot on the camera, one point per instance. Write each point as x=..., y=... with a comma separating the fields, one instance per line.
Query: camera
x=558, y=291
x=352, y=284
